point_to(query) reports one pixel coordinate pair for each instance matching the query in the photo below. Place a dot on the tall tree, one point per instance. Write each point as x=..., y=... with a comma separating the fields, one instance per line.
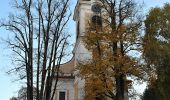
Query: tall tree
x=157, y=47
x=39, y=41
x=110, y=38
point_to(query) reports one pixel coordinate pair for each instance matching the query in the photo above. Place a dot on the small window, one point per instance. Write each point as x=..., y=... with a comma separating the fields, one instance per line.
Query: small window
x=62, y=95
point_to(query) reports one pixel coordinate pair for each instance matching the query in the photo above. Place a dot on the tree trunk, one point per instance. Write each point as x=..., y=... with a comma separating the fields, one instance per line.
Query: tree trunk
x=120, y=83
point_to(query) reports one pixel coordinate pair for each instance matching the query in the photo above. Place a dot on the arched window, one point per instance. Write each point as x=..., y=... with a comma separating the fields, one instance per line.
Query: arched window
x=96, y=20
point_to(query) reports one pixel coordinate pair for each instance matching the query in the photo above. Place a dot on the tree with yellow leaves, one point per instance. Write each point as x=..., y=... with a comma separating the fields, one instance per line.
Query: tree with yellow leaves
x=111, y=38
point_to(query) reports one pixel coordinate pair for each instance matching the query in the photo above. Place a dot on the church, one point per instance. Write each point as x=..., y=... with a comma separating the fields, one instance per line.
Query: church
x=70, y=85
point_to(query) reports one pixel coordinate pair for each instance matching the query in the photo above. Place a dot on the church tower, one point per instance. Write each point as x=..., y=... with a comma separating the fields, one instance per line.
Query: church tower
x=85, y=11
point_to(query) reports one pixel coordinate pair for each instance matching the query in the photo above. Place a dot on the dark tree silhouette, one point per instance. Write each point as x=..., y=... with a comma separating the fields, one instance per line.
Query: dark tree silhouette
x=39, y=41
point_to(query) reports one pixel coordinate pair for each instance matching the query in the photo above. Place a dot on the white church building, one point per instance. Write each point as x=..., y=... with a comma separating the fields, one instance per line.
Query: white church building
x=70, y=85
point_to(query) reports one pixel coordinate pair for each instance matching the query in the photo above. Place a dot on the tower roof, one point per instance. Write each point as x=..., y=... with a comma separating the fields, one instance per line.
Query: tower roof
x=76, y=10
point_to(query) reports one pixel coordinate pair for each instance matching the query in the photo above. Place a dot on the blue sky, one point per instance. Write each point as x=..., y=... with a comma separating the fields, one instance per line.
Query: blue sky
x=8, y=88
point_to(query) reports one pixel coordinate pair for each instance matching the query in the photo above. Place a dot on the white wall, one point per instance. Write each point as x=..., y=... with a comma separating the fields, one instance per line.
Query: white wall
x=81, y=53
x=66, y=85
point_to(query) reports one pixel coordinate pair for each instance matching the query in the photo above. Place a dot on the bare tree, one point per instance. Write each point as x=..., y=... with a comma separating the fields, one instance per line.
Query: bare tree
x=22, y=94
x=39, y=41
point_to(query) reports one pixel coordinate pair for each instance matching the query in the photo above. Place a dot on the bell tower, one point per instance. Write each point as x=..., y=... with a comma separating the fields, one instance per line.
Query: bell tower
x=86, y=11
x=81, y=14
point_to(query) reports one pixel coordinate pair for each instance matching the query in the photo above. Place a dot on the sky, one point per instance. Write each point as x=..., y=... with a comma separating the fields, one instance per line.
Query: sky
x=8, y=87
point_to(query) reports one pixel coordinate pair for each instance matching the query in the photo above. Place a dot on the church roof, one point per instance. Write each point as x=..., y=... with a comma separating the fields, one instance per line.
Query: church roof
x=67, y=68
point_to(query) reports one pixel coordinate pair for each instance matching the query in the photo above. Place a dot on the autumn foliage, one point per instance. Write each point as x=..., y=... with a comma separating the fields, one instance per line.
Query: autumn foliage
x=110, y=45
